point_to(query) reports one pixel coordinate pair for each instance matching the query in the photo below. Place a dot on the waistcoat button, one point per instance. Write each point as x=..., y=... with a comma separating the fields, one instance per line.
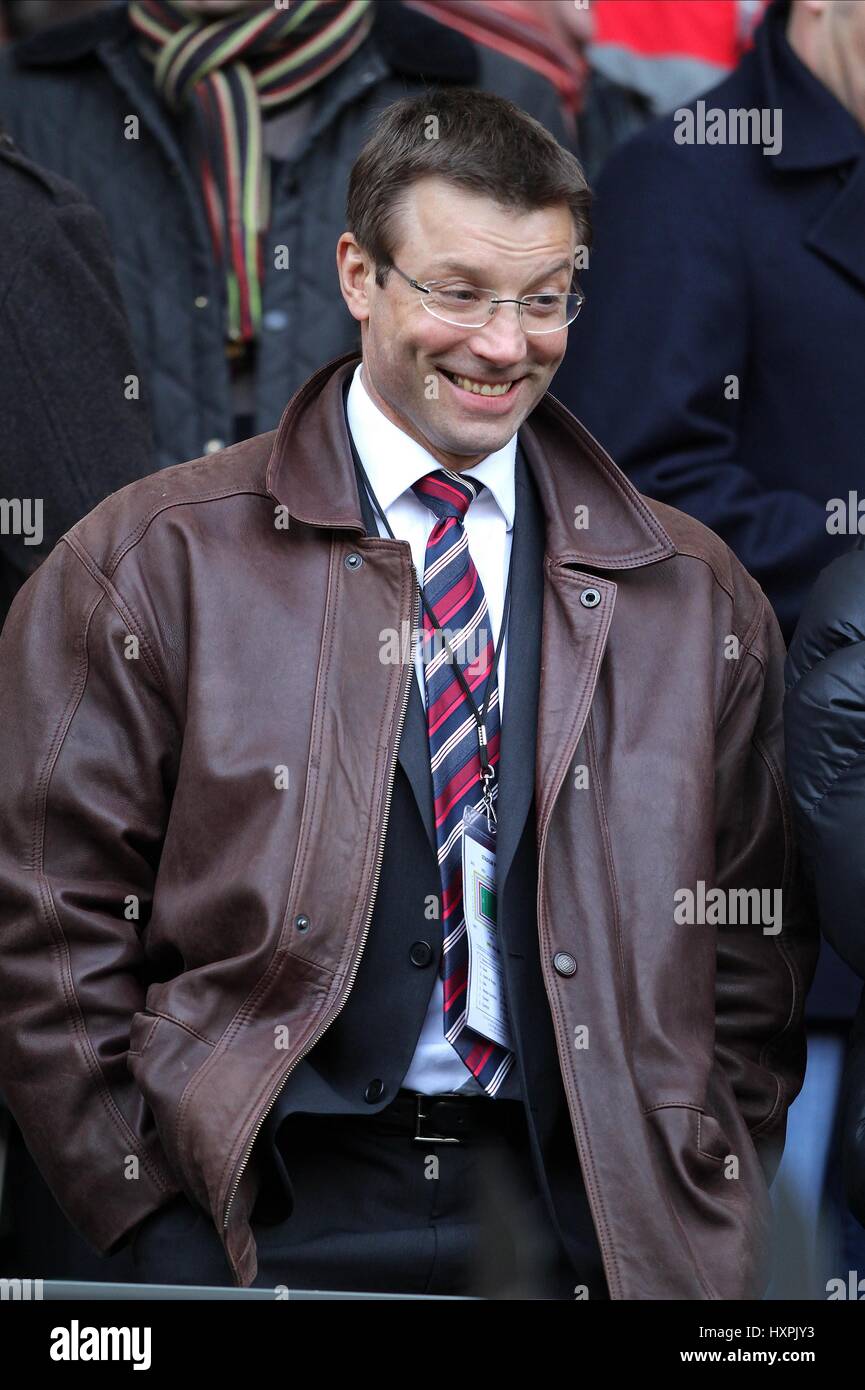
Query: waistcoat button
x=420, y=953
x=564, y=963
x=374, y=1091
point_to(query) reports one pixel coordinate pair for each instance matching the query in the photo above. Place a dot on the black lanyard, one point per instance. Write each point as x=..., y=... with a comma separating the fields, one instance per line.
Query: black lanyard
x=487, y=770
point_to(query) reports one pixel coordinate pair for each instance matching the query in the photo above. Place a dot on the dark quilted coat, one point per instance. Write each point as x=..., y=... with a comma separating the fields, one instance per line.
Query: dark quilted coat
x=825, y=741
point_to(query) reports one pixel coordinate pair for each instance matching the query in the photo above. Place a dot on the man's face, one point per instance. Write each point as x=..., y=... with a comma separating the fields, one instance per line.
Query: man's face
x=407, y=353
x=848, y=42
x=829, y=37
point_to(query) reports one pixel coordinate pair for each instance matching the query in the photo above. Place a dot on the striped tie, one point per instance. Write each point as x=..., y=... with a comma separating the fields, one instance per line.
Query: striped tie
x=455, y=594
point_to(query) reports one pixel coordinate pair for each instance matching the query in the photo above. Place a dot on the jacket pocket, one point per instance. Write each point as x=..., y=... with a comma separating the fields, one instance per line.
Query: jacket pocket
x=143, y=1027
x=693, y=1137
x=163, y=1055
x=722, y=1207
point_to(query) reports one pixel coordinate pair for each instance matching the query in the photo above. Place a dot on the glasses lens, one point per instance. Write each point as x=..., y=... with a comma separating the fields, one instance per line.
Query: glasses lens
x=544, y=313
x=471, y=308
x=462, y=304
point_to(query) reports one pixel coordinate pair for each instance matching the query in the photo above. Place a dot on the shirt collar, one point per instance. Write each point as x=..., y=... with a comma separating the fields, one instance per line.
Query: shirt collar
x=393, y=460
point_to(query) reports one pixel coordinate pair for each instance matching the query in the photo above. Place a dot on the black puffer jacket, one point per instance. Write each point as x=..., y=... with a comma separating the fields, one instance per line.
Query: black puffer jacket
x=825, y=742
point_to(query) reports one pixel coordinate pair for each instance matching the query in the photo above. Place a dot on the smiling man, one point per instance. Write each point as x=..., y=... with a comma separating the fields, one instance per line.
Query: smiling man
x=329, y=969
x=463, y=395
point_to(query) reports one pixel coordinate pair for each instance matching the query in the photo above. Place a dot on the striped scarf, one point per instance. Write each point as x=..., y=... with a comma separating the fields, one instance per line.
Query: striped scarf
x=235, y=69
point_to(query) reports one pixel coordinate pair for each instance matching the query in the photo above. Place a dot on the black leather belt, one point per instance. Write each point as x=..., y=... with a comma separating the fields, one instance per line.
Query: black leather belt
x=452, y=1118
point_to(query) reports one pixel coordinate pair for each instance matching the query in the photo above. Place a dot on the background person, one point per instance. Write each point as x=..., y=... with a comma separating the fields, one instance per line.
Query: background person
x=227, y=326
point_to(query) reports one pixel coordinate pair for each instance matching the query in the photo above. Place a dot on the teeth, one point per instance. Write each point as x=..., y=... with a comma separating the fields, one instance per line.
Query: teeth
x=479, y=388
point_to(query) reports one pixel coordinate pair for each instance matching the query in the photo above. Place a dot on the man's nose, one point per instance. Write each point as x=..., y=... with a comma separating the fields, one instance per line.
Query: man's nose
x=502, y=338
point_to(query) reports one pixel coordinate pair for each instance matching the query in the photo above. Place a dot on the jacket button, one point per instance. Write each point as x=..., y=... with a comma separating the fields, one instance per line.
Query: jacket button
x=374, y=1091
x=353, y=561
x=275, y=320
x=590, y=598
x=420, y=953
x=564, y=964
x=201, y=301
x=213, y=446
x=302, y=922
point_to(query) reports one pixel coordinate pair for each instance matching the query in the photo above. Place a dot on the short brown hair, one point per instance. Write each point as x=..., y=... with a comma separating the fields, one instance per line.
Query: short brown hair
x=483, y=142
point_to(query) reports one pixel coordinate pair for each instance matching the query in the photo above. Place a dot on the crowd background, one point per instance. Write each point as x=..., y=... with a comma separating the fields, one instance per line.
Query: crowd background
x=719, y=358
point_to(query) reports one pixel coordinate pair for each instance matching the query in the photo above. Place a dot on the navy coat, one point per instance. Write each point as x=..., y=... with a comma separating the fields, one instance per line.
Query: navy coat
x=719, y=261
x=713, y=261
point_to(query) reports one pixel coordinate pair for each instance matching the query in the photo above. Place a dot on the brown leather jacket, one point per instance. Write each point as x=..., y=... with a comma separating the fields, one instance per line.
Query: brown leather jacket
x=196, y=643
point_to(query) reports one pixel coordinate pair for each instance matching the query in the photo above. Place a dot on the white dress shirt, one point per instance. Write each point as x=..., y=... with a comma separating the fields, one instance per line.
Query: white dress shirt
x=393, y=461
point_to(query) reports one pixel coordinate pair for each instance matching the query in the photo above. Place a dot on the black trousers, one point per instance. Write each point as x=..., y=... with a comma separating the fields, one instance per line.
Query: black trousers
x=376, y=1212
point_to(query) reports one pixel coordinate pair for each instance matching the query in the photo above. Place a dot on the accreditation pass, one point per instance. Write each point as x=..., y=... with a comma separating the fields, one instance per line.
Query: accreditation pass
x=487, y=1010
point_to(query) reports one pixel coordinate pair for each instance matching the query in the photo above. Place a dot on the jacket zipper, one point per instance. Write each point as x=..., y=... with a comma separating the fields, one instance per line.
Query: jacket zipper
x=364, y=933
x=603, y=1245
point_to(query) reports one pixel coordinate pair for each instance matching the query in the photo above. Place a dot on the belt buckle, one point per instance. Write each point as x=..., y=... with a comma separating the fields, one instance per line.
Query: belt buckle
x=418, y=1137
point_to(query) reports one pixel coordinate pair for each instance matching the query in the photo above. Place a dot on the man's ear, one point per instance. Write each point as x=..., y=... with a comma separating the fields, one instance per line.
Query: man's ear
x=354, y=272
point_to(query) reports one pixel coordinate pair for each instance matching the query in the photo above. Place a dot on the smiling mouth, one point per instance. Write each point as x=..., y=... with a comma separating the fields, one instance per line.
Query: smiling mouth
x=479, y=388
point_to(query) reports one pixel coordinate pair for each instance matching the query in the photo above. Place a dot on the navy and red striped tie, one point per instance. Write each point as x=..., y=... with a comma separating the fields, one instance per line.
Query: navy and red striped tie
x=455, y=594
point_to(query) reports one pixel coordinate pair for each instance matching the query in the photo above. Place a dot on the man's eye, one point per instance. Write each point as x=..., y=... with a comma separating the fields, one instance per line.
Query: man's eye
x=459, y=294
